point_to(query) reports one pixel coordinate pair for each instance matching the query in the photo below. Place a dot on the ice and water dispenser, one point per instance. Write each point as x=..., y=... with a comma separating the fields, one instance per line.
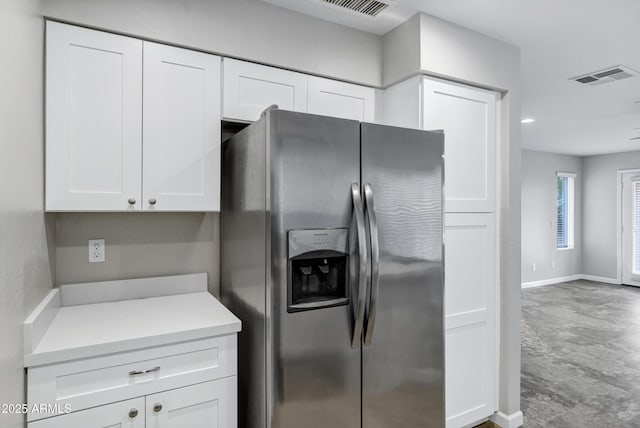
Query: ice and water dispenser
x=317, y=269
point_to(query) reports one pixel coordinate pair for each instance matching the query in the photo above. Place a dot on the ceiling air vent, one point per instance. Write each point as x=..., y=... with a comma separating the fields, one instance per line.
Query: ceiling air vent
x=609, y=75
x=366, y=7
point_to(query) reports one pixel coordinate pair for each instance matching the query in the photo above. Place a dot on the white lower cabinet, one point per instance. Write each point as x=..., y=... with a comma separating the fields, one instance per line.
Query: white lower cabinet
x=206, y=405
x=124, y=414
x=189, y=384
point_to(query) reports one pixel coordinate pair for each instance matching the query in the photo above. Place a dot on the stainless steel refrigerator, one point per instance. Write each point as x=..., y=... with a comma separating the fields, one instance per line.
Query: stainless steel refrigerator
x=332, y=257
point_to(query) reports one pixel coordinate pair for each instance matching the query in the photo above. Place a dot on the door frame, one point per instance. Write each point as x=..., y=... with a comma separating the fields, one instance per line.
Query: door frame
x=619, y=178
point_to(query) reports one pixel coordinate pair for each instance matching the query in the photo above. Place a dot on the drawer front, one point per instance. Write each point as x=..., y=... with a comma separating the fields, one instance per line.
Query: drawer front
x=92, y=382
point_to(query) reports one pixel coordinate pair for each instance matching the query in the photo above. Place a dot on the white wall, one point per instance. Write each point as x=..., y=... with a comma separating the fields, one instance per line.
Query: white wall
x=401, y=50
x=250, y=29
x=458, y=53
x=26, y=267
x=138, y=245
x=600, y=211
x=539, y=217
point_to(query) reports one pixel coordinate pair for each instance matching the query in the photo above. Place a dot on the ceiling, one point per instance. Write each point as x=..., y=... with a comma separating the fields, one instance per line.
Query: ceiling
x=559, y=39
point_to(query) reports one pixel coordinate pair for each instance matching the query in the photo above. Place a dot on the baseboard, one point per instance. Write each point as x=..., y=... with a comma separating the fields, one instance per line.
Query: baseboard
x=600, y=279
x=560, y=279
x=550, y=281
x=513, y=420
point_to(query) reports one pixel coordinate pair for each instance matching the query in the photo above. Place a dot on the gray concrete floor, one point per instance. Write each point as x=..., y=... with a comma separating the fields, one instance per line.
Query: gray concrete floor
x=581, y=356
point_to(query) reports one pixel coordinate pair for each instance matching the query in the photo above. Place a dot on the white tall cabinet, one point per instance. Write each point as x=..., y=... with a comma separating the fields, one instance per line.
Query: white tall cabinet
x=467, y=116
x=99, y=155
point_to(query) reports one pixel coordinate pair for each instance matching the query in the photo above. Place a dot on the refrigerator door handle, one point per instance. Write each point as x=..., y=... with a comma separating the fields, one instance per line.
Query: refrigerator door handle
x=362, y=272
x=375, y=259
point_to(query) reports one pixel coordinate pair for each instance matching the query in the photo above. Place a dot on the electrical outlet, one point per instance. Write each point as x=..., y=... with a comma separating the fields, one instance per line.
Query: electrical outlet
x=96, y=250
x=553, y=264
x=533, y=267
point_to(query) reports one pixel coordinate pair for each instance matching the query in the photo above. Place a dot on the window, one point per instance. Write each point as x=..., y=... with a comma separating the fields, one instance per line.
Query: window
x=635, y=269
x=565, y=209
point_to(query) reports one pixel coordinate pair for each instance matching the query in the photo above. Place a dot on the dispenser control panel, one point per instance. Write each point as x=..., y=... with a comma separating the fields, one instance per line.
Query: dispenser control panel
x=317, y=269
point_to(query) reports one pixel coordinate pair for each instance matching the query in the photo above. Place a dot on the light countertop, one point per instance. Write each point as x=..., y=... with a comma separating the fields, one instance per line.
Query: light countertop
x=64, y=333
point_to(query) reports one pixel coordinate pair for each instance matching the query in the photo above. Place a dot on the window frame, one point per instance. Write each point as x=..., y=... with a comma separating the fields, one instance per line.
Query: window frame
x=570, y=220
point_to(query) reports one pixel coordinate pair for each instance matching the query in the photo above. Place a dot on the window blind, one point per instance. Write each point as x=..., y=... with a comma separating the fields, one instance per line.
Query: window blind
x=562, y=232
x=564, y=210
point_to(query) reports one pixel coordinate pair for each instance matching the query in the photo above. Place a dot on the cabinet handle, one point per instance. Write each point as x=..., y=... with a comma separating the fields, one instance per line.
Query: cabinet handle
x=133, y=413
x=137, y=372
x=152, y=201
x=157, y=407
x=132, y=201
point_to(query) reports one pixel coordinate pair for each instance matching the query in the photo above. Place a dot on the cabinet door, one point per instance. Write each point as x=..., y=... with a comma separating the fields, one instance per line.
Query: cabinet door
x=116, y=415
x=93, y=120
x=468, y=118
x=338, y=99
x=250, y=88
x=181, y=166
x=470, y=324
x=205, y=405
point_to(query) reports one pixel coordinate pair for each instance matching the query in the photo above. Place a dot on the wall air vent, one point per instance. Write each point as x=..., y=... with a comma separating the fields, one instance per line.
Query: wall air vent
x=609, y=75
x=366, y=7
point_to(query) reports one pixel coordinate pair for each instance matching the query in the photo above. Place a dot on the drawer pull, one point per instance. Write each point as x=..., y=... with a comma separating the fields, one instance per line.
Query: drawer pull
x=157, y=407
x=133, y=413
x=136, y=372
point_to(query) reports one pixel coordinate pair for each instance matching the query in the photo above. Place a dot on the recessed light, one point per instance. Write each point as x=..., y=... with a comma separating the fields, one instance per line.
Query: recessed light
x=528, y=120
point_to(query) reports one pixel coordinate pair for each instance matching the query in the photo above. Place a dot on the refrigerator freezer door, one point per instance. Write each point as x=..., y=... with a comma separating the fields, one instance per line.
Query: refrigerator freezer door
x=315, y=372
x=403, y=368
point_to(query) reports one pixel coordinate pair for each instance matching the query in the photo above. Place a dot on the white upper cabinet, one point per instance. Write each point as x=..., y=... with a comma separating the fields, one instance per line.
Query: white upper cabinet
x=348, y=101
x=181, y=133
x=468, y=117
x=99, y=156
x=94, y=120
x=250, y=88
